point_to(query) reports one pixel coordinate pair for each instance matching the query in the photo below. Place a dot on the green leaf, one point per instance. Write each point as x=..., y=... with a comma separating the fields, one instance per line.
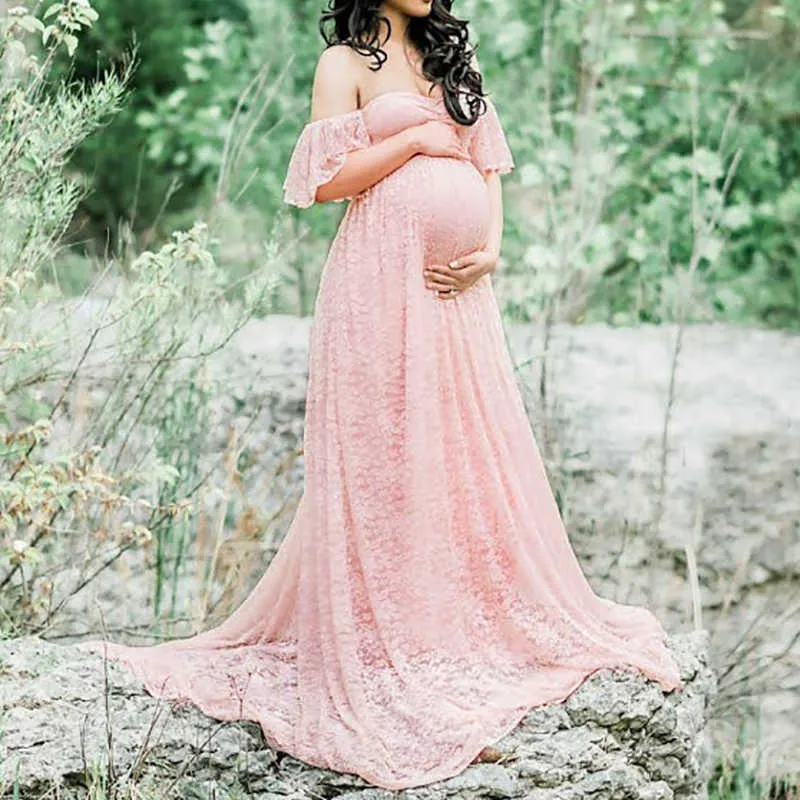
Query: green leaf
x=31, y=24
x=71, y=43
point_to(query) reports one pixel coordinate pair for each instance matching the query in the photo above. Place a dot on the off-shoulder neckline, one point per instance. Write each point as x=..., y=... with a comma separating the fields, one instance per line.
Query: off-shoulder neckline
x=357, y=112
x=410, y=92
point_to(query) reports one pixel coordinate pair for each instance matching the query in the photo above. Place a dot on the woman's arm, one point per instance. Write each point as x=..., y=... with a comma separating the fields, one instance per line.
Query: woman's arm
x=335, y=91
x=494, y=187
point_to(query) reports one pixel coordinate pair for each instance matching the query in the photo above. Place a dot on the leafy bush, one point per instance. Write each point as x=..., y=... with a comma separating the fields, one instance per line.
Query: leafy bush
x=617, y=170
x=124, y=471
x=602, y=213
x=161, y=31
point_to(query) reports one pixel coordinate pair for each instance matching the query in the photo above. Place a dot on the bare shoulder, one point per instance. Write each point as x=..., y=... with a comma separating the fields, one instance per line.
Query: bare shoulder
x=336, y=57
x=335, y=82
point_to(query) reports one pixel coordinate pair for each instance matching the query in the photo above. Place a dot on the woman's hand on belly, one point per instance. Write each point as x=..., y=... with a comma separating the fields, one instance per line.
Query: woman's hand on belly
x=460, y=273
x=438, y=138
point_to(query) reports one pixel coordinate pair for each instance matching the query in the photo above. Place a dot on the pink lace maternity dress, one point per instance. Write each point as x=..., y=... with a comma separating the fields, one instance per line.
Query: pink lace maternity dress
x=426, y=594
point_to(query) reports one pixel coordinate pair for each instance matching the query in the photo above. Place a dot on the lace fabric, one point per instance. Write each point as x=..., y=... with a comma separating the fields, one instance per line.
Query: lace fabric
x=426, y=594
x=488, y=145
x=320, y=152
x=322, y=147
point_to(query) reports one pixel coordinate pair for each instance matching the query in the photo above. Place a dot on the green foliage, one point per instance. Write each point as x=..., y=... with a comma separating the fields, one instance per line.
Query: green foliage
x=736, y=774
x=128, y=184
x=37, y=134
x=616, y=174
x=186, y=129
x=37, y=137
x=227, y=74
x=125, y=474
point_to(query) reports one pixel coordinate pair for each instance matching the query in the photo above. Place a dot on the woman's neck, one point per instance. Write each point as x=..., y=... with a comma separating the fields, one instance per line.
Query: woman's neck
x=399, y=23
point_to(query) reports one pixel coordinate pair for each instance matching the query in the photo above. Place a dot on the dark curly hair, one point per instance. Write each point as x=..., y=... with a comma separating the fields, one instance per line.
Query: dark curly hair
x=440, y=38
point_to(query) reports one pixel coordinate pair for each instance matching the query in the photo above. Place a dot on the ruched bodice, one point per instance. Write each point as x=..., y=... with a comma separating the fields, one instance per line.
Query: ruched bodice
x=323, y=143
x=393, y=111
x=424, y=187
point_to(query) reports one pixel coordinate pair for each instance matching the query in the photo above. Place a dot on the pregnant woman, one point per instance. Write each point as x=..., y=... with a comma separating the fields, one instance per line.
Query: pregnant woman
x=426, y=595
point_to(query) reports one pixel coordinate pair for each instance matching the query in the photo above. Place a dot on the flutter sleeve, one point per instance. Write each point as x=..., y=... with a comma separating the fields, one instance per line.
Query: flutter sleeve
x=488, y=147
x=320, y=152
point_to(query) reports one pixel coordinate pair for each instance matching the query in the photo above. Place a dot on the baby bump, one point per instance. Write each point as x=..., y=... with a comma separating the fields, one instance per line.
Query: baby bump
x=450, y=201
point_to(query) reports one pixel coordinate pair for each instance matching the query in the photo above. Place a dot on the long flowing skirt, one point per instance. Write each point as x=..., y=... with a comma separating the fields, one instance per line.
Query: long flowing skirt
x=426, y=594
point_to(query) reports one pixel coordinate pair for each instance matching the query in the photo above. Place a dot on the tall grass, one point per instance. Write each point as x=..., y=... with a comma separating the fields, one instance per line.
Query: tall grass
x=106, y=406
x=736, y=777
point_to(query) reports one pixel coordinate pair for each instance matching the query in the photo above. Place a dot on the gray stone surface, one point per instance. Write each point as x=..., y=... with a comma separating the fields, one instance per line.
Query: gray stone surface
x=617, y=737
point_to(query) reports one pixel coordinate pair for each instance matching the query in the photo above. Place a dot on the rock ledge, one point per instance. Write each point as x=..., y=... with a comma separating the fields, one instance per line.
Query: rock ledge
x=618, y=737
